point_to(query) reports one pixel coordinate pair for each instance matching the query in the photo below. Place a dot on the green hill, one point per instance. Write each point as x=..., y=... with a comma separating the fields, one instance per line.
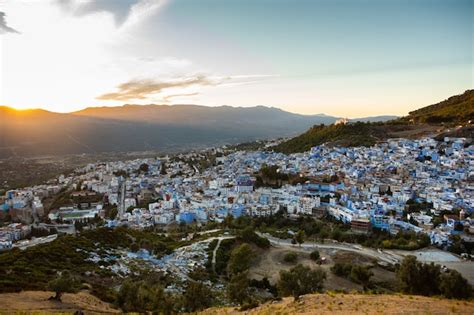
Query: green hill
x=357, y=134
x=458, y=109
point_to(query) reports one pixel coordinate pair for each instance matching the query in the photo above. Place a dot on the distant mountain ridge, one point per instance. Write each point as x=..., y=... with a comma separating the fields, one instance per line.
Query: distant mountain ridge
x=144, y=127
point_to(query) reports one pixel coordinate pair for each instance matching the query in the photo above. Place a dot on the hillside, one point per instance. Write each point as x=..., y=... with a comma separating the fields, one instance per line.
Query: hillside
x=357, y=134
x=355, y=304
x=144, y=128
x=37, y=302
x=457, y=109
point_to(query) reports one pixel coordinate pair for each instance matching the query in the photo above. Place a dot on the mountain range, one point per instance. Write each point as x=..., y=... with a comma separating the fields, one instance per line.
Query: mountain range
x=161, y=128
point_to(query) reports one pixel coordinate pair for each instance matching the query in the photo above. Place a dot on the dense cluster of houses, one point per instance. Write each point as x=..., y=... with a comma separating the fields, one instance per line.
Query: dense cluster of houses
x=400, y=184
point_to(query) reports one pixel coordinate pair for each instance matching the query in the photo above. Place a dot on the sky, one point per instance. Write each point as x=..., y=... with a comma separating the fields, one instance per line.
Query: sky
x=349, y=58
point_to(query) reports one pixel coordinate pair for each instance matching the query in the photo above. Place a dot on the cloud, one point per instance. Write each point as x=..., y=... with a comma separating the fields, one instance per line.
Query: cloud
x=4, y=28
x=144, y=89
x=122, y=11
x=168, y=98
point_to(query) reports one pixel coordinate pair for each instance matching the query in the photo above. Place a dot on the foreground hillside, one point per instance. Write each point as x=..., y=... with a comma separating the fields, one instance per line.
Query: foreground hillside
x=38, y=302
x=356, y=304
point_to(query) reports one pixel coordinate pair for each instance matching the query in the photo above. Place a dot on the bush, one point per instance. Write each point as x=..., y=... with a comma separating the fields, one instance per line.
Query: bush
x=197, y=297
x=240, y=259
x=248, y=235
x=415, y=277
x=301, y=280
x=341, y=270
x=290, y=257
x=238, y=288
x=453, y=285
x=65, y=283
x=315, y=255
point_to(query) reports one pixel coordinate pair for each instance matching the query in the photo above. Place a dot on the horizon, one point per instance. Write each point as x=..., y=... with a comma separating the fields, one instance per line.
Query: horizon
x=387, y=58
x=198, y=105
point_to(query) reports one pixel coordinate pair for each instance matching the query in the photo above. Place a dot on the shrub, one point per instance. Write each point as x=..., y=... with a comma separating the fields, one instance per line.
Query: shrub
x=453, y=285
x=240, y=259
x=301, y=280
x=290, y=257
x=315, y=255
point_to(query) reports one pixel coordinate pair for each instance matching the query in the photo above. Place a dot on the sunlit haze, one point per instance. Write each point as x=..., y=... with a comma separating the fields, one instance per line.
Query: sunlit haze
x=345, y=58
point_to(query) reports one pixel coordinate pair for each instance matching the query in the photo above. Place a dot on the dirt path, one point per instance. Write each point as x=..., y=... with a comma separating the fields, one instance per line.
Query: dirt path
x=214, y=253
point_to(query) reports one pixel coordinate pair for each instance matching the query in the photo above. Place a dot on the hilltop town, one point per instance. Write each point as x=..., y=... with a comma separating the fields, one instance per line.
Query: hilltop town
x=397, y=198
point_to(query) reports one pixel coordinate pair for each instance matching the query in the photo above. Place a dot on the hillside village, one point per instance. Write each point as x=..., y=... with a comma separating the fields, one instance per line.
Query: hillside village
x=400, y=185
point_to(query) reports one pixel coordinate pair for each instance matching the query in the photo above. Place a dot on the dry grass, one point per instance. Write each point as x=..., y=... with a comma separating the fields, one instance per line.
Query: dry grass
x=37, y=302
x=356, y=304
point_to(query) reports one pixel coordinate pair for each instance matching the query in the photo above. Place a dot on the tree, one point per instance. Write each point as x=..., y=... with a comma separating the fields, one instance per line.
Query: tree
x=163, y=169
x=197, y=297
x=64, y=283
x=240, y=259
x=144, y=168
x=248, y=235
x=299, y=237
x=361, y=274
x=454, y=285
x=140, y=296
x=407, y=275
x=315, y=255
x=301, y=280
x=238, y=288
x=415, y=277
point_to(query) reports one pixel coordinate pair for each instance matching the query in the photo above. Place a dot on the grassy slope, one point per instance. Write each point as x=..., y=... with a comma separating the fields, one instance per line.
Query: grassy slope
x=37, y=302
x=358, y=134
x=457, y=109
x=356, y=304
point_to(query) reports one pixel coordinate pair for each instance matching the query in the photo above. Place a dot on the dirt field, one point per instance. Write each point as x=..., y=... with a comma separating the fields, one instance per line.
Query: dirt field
x=356, y=304
x=37, y=302
x=270, y=262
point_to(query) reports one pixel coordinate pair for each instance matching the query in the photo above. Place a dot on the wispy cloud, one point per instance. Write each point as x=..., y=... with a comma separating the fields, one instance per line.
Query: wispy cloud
x=144, y=89
x=122, y=10
x=4, y=28
x=168, y=98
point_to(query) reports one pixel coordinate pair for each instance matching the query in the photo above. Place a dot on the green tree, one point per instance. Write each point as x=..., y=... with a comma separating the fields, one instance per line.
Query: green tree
x=301, y=280
x=65, y=283
x=248, y=235
x=197, y=297
x=415, y=277
x=140, y=296
x=238, y=288
x=454, y=285
x=361, y=274
x=299, y=237
x=240, y=259
x=407, y=275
